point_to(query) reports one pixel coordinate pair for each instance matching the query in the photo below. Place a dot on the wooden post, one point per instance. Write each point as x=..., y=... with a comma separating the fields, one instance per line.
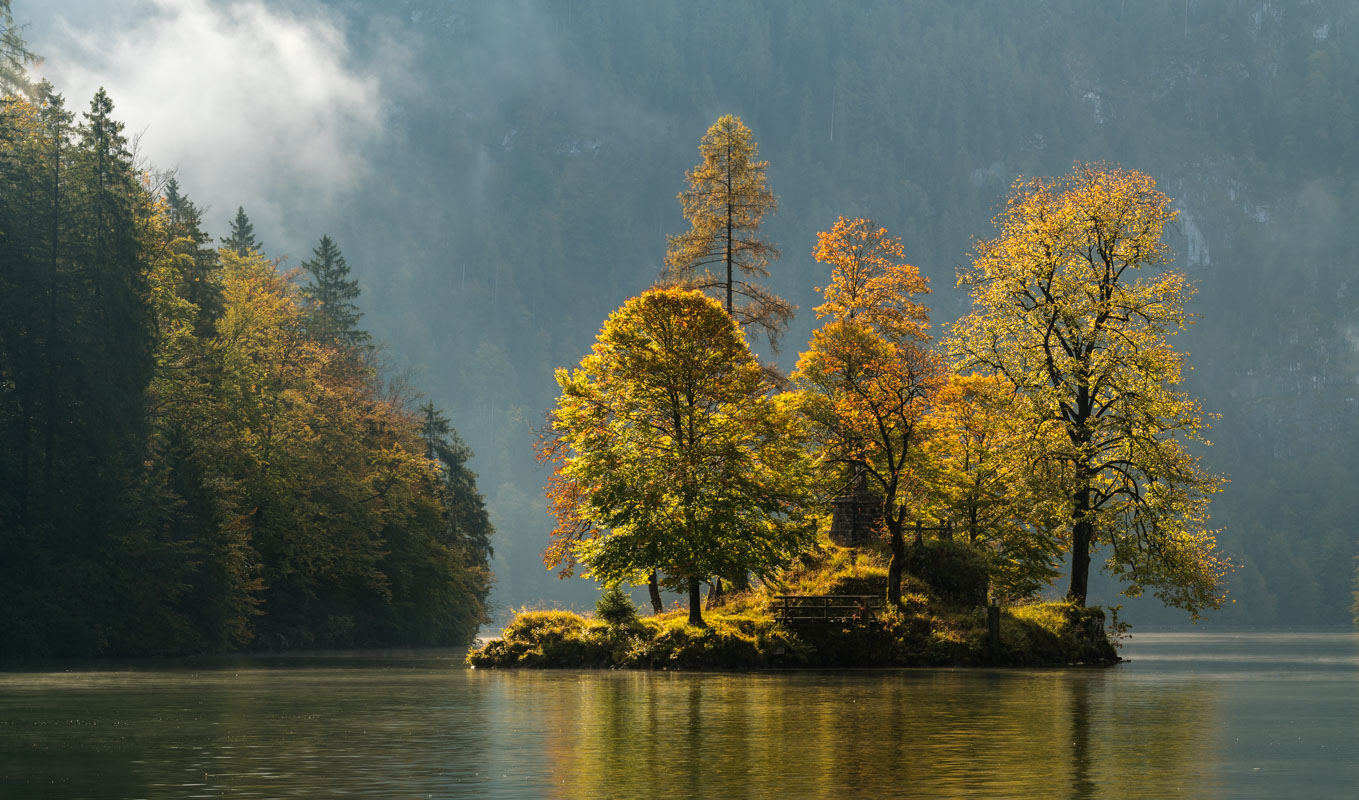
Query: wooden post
x=919, y=540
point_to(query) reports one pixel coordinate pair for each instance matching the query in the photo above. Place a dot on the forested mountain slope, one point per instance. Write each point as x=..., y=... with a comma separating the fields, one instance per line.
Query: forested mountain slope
x=542, y=156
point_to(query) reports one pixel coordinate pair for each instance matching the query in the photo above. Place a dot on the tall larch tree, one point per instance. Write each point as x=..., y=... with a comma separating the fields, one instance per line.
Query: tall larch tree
x=1074, y=308
x=723, y=253
x=865, y=381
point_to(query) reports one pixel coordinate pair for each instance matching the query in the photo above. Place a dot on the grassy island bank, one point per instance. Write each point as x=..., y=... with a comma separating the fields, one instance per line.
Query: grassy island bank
x=933, y=626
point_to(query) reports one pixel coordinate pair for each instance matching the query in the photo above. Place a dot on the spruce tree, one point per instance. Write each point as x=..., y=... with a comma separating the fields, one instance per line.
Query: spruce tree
x=14, y=55
x=332, y=314
x=469, y=524
x=242, y=238
x=198, y=263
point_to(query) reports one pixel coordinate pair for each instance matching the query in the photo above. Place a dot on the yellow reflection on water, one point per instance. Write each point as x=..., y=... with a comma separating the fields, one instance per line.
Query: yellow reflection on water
x=877, y=734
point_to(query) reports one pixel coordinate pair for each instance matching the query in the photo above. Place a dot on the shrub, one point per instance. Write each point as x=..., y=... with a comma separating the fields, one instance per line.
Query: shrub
x=615, y=607
x=1044, y=633
x=955, y=571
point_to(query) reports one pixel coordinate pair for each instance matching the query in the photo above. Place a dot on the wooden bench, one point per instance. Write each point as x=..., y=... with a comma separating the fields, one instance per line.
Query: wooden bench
x=828, y=609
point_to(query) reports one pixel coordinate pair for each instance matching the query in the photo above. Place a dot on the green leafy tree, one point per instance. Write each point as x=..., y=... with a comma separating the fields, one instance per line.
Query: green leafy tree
x=723, y=251
x=673, y=454
x=1074, y=310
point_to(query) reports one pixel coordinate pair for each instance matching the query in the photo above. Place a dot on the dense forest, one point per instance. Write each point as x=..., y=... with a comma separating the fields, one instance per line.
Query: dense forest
x=201, y=451
x=531, y=152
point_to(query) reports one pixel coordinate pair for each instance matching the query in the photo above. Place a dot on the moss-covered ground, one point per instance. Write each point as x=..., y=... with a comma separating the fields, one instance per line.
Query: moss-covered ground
x=741, y=633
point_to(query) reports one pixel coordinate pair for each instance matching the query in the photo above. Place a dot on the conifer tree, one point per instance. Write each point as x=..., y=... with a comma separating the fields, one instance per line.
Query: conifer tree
x=197, y=263
x=14, y=55
x=726, y=200
x=242, y=238
x=332, y=314
x=469, y=524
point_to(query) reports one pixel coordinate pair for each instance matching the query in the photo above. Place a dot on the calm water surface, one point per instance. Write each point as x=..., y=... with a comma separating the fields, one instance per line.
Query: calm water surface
x=1191, y=715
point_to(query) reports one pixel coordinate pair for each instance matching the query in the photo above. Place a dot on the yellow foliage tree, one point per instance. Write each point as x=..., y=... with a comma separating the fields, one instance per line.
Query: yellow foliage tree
x=981, y=479
x=726, y=200
x=1074, y=310
x=671, y=453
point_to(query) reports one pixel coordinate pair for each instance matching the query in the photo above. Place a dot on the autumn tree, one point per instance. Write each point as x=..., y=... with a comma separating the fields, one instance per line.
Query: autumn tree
x=185, y=467
x=981, y=480
x=865, y=380
x=1074, y=309
x=674, y=456
x=723, y=251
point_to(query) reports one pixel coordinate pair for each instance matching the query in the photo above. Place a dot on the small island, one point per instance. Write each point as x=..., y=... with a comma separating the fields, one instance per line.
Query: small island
x=821, y=615
x=1046, y=428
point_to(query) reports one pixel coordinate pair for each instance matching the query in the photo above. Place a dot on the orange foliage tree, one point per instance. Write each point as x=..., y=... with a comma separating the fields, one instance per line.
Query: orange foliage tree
x=865, y=381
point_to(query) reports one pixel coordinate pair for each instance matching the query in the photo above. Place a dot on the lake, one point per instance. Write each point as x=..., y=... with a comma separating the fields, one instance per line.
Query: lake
x=1197, y=715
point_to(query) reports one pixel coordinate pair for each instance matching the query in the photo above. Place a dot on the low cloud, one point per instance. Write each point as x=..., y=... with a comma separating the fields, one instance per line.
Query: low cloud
x=254, y=104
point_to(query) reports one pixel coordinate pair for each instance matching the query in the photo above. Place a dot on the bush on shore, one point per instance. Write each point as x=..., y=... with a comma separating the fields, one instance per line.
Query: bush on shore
x=744, y=635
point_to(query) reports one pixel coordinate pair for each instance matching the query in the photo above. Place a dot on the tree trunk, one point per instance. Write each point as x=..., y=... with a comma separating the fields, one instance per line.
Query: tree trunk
x=695, y=604
x=714, y=593
x=50, y=423
x=894, y=569
x=653, y=586
x=731, y=249
x=1082, y=533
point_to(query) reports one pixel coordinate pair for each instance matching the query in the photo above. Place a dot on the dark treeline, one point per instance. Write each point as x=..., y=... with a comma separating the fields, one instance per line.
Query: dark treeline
x=198, y=451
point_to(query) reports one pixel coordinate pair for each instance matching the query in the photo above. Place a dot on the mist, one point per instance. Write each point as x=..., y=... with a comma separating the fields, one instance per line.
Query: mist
x=261, y=105
x=502, y=176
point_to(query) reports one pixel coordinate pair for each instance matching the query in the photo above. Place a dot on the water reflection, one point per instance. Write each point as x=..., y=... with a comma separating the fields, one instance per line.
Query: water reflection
x=246, y=733
x=919, y=734
x=1190, y=716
